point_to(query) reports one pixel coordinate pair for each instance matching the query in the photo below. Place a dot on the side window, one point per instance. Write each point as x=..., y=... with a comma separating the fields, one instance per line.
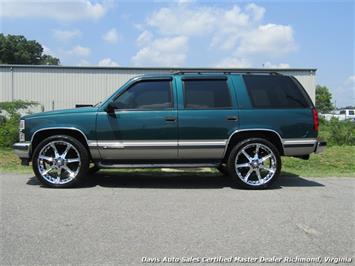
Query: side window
x=146, y=95
x=206, y=94
x=351, y=112
x=275, y=92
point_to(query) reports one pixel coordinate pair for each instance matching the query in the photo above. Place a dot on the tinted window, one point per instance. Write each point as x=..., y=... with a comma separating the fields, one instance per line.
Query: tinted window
x=146, y=95
x=206, y=94
x=275, y=92
x=342, y=112
x=351, y=112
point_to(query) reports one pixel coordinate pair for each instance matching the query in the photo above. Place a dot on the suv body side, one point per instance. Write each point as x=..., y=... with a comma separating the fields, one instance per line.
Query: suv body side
x=200, y=134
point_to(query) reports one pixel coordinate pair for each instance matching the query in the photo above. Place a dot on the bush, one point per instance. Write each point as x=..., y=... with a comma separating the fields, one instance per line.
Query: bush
x=337, y=132
x=10, y=122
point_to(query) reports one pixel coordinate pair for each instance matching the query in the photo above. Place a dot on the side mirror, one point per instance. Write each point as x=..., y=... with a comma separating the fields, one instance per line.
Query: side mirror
x=110, y=108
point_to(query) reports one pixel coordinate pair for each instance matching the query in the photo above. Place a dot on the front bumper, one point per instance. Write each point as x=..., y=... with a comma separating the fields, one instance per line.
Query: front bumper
x=320, y=146
x=22, y=149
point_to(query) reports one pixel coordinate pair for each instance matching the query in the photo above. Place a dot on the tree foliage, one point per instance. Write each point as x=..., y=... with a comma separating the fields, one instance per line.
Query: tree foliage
x=9, y=123
x=323, y=99
x=16, y=49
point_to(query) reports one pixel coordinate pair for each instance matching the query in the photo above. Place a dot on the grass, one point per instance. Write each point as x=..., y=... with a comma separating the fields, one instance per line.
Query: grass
x=334, y=161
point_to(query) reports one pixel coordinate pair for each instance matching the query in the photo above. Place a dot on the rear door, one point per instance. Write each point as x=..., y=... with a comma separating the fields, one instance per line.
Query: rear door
x=207, y=115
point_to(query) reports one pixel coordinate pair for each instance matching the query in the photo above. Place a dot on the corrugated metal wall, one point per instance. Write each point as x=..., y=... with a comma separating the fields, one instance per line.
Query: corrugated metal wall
x=63, y=87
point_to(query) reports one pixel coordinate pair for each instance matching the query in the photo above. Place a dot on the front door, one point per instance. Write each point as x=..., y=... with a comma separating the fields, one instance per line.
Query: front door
x=207, y=116
x=143, y=125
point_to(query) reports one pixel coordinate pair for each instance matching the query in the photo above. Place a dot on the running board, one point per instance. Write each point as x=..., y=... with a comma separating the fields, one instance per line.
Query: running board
x=167, y=165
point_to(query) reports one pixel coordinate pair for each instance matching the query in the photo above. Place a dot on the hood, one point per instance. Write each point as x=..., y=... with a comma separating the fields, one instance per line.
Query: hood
x=61, y=112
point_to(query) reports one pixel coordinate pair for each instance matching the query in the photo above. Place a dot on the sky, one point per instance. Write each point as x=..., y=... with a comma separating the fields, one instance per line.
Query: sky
x=192, y=33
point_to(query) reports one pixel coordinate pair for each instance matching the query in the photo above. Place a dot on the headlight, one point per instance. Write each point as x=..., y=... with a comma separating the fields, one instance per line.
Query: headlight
x=22, y=125
x=21, y=129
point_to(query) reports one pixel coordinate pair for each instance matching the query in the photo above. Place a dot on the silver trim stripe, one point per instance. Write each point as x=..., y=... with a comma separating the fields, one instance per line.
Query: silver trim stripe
x=174, y=144
x=299, y=141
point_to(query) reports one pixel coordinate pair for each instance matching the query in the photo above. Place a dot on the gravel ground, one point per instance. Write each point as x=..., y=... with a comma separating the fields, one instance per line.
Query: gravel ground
x=119, y=218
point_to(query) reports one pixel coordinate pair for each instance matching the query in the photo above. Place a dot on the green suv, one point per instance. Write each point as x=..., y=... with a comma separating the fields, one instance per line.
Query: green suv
x=240, y=123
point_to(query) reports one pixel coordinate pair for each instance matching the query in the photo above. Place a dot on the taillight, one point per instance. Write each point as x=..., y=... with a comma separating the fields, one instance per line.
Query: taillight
x=315, y=119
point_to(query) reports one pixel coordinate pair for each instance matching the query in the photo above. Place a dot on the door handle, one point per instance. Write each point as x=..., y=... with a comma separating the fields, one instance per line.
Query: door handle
x=232, y=118
x=170, y=118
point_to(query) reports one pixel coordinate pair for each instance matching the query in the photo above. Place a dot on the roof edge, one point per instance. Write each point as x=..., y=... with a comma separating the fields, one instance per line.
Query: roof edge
x=172, y=69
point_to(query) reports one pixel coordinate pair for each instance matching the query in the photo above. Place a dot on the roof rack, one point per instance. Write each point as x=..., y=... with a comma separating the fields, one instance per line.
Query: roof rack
x=214, y=71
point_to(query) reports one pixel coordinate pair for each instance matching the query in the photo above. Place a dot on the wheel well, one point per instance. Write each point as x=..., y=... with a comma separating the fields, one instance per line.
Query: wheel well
x=240, y=136
x=41, y=135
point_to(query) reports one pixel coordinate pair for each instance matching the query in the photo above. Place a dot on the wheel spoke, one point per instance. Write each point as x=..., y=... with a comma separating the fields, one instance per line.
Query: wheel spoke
x=47, y=170
x=257, y=150
x=70, y=172
x=66, y=151
x=259, y=176
x=59, y=171
x=46, y=158
x=268, y=169
x=242, y=165
x=246, y=155
x=266, y=157
x=73, y=160
x=56, y=154
x=248, y=174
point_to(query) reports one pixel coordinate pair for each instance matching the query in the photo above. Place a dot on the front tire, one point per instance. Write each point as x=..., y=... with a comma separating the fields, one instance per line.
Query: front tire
x=60, y=161
x=254, y=163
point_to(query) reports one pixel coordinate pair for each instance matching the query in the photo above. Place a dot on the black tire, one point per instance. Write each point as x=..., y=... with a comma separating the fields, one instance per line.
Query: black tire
x=83, y=158
x=254, y=182
x=222, y=168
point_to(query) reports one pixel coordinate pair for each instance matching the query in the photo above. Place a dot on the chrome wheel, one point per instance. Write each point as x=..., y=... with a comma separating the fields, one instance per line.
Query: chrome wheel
x=59, y=162
x=255, y=164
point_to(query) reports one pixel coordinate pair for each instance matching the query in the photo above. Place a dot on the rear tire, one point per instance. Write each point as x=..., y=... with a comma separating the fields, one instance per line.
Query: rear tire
x=254, y=163
x=60, y=161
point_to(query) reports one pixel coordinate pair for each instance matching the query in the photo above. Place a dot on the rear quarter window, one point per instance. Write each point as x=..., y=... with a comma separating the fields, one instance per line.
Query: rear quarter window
x=276, y=92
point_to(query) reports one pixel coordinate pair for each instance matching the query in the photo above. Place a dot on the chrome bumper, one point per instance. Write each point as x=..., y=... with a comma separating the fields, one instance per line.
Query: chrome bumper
x=320, y=146
x=22, y=149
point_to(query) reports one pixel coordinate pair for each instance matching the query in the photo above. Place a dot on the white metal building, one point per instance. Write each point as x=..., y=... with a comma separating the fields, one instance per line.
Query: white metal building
x=58, y=87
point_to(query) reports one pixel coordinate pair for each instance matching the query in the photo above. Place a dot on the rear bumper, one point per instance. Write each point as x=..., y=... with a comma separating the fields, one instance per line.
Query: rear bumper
x=300, y=147
x=320, y=146
x=22, y=149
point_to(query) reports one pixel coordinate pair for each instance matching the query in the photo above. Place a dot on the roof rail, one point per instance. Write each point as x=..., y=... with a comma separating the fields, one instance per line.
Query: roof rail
x=214, y=71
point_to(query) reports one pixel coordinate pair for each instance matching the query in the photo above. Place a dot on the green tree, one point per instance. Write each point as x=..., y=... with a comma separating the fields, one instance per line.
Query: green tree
x=16, y=49
x=323, y=99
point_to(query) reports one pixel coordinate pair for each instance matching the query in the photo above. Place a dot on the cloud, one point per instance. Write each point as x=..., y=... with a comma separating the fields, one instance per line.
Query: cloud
x=270, y=39
x=256, y=11
x=163, y=52
x=144, y=38
x=80, y=51
x=54, y=9
x=46, y=49
x=234, y=62
x=238, y=29
x=111, y=36
x=107, y=62
x=182, y=20
x=270, y=65
x=66, y=35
